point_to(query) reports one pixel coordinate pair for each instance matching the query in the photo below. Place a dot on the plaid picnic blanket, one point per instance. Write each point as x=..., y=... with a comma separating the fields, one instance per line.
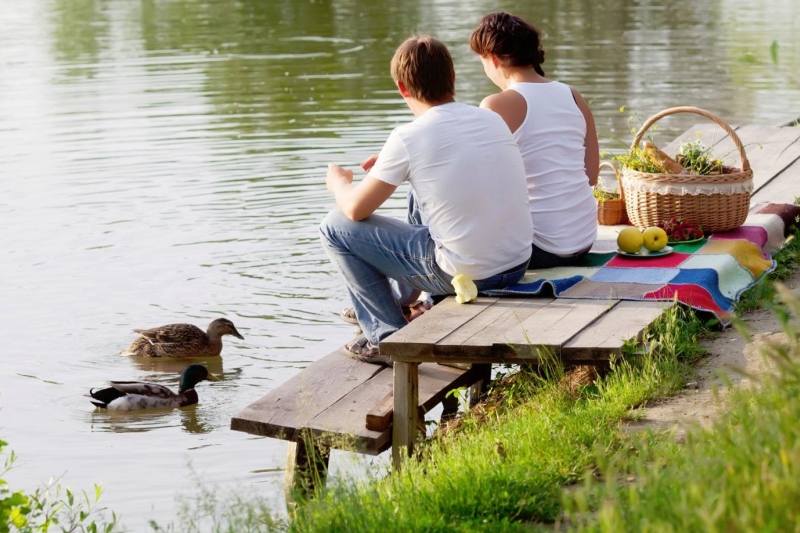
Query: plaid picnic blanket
x=709, y=275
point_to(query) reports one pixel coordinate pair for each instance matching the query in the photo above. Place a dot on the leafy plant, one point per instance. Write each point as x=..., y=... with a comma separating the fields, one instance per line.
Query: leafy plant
x=639, y=160
x=51, y=506
x=603, y=194
x=695, y=156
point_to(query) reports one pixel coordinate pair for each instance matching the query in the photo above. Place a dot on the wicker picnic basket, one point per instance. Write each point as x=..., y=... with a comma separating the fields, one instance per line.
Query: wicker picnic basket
x=717, y=203
x=612, y=212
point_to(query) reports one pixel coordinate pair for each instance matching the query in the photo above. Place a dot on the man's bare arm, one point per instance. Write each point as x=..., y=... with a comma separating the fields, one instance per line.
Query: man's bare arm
x=359, y=201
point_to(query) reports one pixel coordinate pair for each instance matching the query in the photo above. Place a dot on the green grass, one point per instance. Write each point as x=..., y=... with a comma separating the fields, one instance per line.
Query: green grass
x=741, y=474
x=51, y=507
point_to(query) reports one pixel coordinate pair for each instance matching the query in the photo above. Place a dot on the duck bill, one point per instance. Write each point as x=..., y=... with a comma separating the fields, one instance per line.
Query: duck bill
x=237, y=334
x=212, y=377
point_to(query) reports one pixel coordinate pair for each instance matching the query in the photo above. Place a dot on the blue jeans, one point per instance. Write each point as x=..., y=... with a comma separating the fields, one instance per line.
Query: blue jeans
x=408, y=295
x=371, y=252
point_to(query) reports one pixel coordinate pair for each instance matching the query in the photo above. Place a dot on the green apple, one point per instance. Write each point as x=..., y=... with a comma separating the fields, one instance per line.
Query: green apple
x=655, y=238
x=630, y=240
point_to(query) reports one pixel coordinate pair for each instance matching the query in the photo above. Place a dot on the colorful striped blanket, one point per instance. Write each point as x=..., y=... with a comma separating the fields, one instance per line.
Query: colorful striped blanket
x=709, y=275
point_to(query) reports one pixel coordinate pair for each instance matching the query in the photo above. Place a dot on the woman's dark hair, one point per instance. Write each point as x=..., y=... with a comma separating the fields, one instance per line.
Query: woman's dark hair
x=512, y=40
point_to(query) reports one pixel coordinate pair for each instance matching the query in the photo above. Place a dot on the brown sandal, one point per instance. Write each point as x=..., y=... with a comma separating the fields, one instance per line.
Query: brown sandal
x=361, y=349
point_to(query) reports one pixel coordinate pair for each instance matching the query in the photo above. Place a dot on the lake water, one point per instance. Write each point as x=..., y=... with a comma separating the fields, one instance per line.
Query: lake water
x=163, y=161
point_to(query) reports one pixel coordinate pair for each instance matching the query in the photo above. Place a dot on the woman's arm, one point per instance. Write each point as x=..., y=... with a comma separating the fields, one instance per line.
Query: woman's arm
x=591, y=159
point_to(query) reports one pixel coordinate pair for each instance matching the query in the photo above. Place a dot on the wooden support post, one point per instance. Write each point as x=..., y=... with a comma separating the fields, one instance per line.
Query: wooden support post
x=406, y=415
x=306, y=469
x=479, y=389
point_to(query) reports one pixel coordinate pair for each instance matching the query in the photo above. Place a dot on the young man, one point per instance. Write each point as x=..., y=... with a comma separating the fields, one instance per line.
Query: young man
x=468, y=178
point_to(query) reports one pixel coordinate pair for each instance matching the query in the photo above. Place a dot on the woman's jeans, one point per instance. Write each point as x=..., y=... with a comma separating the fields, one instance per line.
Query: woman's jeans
x=544, y=259
x=371, y=252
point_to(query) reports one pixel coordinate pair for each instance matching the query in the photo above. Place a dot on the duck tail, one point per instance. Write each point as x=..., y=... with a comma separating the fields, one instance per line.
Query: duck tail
x=103, y=397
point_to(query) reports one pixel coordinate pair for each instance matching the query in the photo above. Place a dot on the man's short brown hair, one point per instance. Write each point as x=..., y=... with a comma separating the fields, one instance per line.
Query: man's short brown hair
x=424, y=66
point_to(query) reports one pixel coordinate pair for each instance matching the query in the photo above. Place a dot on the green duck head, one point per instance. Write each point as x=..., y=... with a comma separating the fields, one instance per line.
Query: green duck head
x=194, y=374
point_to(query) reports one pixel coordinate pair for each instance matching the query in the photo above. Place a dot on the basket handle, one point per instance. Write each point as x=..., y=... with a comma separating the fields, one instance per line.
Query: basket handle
x=696, y=110
x=608, y=164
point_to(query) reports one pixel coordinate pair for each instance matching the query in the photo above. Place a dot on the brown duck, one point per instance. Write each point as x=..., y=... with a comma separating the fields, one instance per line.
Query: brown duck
x=182, y=340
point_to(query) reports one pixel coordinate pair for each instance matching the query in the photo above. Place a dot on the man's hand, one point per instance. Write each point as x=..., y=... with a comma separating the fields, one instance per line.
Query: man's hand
x=357, y=202
x=369, y=162
x=337, y=176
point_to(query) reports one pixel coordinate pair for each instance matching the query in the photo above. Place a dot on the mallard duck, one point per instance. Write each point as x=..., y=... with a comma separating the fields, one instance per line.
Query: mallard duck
x=182, y=340
x=135, y=395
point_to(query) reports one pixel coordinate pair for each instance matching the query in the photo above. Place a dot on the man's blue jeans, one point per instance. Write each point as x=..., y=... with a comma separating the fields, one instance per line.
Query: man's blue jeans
x=372, y=251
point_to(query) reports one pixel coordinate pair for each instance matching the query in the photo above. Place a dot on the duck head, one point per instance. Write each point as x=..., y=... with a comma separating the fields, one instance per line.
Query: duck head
x=222, y=326
x=194, y=374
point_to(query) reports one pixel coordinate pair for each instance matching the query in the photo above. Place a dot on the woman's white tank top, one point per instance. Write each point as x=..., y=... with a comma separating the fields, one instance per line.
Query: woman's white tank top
x=551, y=140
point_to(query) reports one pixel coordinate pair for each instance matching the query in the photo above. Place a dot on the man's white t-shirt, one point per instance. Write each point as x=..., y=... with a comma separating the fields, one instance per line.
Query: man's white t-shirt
x=469, y=179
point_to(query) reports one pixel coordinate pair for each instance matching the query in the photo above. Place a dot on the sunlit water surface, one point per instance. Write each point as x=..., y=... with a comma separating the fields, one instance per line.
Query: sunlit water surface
x=164, y=162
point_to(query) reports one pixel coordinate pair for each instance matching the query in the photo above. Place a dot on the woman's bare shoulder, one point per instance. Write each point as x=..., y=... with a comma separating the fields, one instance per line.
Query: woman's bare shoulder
x=502, y=99
x=508, y=104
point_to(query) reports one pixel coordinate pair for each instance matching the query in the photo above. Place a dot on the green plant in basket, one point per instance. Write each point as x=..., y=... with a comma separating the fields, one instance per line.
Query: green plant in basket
x=698, y=159
x=604, y=194
x=639, y=160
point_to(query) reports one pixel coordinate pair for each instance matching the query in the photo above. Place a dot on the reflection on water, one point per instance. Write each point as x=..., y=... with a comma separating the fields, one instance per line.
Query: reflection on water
x=158, y=369
x=189, y=419
x=163, y=162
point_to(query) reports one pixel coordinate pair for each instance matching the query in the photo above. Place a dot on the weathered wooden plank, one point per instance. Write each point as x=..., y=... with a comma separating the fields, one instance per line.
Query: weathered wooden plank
x=420, y=336
x=769, y=150
x=380, y=416
x=343, y=419
x=709, y=132
x=479, y=335
x=551, y=327
x=606, y=337
x=406, y=394
x=284, y=411
x=751, y=136
x=781, y=189
x=435, y=381
x=774, y=155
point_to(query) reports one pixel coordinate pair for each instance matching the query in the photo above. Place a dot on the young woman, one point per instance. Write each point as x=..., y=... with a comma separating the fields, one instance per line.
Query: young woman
x=555, y=132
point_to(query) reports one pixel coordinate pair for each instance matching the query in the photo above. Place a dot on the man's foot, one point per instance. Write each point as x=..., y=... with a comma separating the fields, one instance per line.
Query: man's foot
x=348, y=314
x=361, y=349
x=416, y=310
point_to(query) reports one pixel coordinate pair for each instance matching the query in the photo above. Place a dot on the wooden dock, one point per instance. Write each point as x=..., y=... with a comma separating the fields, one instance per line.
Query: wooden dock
x=333, y=399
